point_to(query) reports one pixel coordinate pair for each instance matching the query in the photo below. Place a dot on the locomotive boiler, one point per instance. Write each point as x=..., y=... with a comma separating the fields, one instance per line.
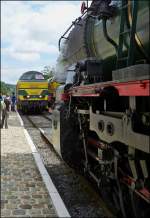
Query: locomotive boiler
x=101, y=120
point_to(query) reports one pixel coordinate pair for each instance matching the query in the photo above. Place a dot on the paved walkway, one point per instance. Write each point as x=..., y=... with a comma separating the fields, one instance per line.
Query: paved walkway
x=23, y=193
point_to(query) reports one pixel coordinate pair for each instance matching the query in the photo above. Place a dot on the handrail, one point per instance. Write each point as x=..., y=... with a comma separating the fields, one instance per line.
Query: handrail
x=108, y=38
x=77, y=20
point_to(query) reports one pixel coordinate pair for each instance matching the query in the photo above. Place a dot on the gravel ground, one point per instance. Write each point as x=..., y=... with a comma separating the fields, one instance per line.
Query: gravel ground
x=77, y=193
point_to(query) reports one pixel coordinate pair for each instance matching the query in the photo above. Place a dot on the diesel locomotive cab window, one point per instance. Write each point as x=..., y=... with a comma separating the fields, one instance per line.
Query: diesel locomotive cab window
x=32, y=76
x=26, y=77
x=39, y=76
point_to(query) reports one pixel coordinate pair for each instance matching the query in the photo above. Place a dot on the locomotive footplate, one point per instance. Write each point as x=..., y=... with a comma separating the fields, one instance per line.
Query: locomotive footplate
x=129, y=81
x=131, y=88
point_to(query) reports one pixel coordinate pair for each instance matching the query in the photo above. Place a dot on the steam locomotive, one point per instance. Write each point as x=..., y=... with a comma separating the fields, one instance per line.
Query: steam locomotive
x=101, y=120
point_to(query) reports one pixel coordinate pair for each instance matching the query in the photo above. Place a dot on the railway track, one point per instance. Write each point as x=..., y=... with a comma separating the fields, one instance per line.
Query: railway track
x=80, y=198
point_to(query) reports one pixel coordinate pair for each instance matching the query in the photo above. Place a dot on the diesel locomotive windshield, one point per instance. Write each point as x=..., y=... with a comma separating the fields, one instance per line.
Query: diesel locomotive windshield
x=32, y=75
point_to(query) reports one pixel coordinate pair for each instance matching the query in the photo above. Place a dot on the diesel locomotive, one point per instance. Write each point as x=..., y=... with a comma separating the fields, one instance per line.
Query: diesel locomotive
x=52, y=86
x=32, y=92
x=101, y=119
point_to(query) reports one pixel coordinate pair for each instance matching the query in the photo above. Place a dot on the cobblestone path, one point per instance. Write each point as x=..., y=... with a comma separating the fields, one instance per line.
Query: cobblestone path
x=23, y=193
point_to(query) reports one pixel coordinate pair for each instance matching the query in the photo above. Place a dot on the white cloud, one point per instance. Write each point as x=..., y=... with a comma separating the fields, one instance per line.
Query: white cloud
x=11, y=75
x=37, y=3
x=26, y=56
x=31, y=30
x=30, y=50
x=36, y=31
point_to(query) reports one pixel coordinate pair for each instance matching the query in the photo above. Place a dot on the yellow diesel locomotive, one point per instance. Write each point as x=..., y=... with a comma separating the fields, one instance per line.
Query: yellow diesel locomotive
x=32, y=92
x=52, y=86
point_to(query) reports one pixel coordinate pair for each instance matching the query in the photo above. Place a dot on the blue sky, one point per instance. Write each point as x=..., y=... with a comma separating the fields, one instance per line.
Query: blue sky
x=30, y=31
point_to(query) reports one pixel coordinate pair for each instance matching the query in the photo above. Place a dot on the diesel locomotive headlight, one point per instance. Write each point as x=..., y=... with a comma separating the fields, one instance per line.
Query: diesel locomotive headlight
x=28, y=96
x=40, y=96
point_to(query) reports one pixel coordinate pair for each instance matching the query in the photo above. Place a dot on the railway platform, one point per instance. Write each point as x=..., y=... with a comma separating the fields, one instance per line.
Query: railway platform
x=26, y=188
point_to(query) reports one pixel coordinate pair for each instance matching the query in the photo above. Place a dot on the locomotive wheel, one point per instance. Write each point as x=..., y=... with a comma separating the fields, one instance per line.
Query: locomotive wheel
x=70, y=141
x=119, y=196
x=113, y=195
x=140, y=208
x=106, y=192
x=127, y=201
x=23, y=110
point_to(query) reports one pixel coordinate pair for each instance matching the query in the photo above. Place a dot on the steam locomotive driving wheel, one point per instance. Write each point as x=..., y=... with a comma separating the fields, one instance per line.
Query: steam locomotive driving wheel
x=70, y=141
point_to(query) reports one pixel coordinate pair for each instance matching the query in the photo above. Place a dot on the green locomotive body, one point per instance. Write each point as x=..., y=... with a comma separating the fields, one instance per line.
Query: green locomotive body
x=88, y=40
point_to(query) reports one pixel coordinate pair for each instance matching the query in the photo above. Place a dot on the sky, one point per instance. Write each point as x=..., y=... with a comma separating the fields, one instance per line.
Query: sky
x=30, y=31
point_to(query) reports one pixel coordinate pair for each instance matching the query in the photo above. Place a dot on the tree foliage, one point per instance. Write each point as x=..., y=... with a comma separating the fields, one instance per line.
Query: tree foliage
x=7, y=88
x=48, y=72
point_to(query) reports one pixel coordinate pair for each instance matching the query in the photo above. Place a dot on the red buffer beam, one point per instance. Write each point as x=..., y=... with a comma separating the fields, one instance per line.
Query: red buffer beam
x=130, y=88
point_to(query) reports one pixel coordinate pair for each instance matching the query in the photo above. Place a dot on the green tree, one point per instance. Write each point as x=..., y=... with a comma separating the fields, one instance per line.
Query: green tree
x=48, y=72
x=6, y=88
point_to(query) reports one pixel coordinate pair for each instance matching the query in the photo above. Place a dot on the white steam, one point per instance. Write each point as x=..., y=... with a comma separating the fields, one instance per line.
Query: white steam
x=61, y=65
